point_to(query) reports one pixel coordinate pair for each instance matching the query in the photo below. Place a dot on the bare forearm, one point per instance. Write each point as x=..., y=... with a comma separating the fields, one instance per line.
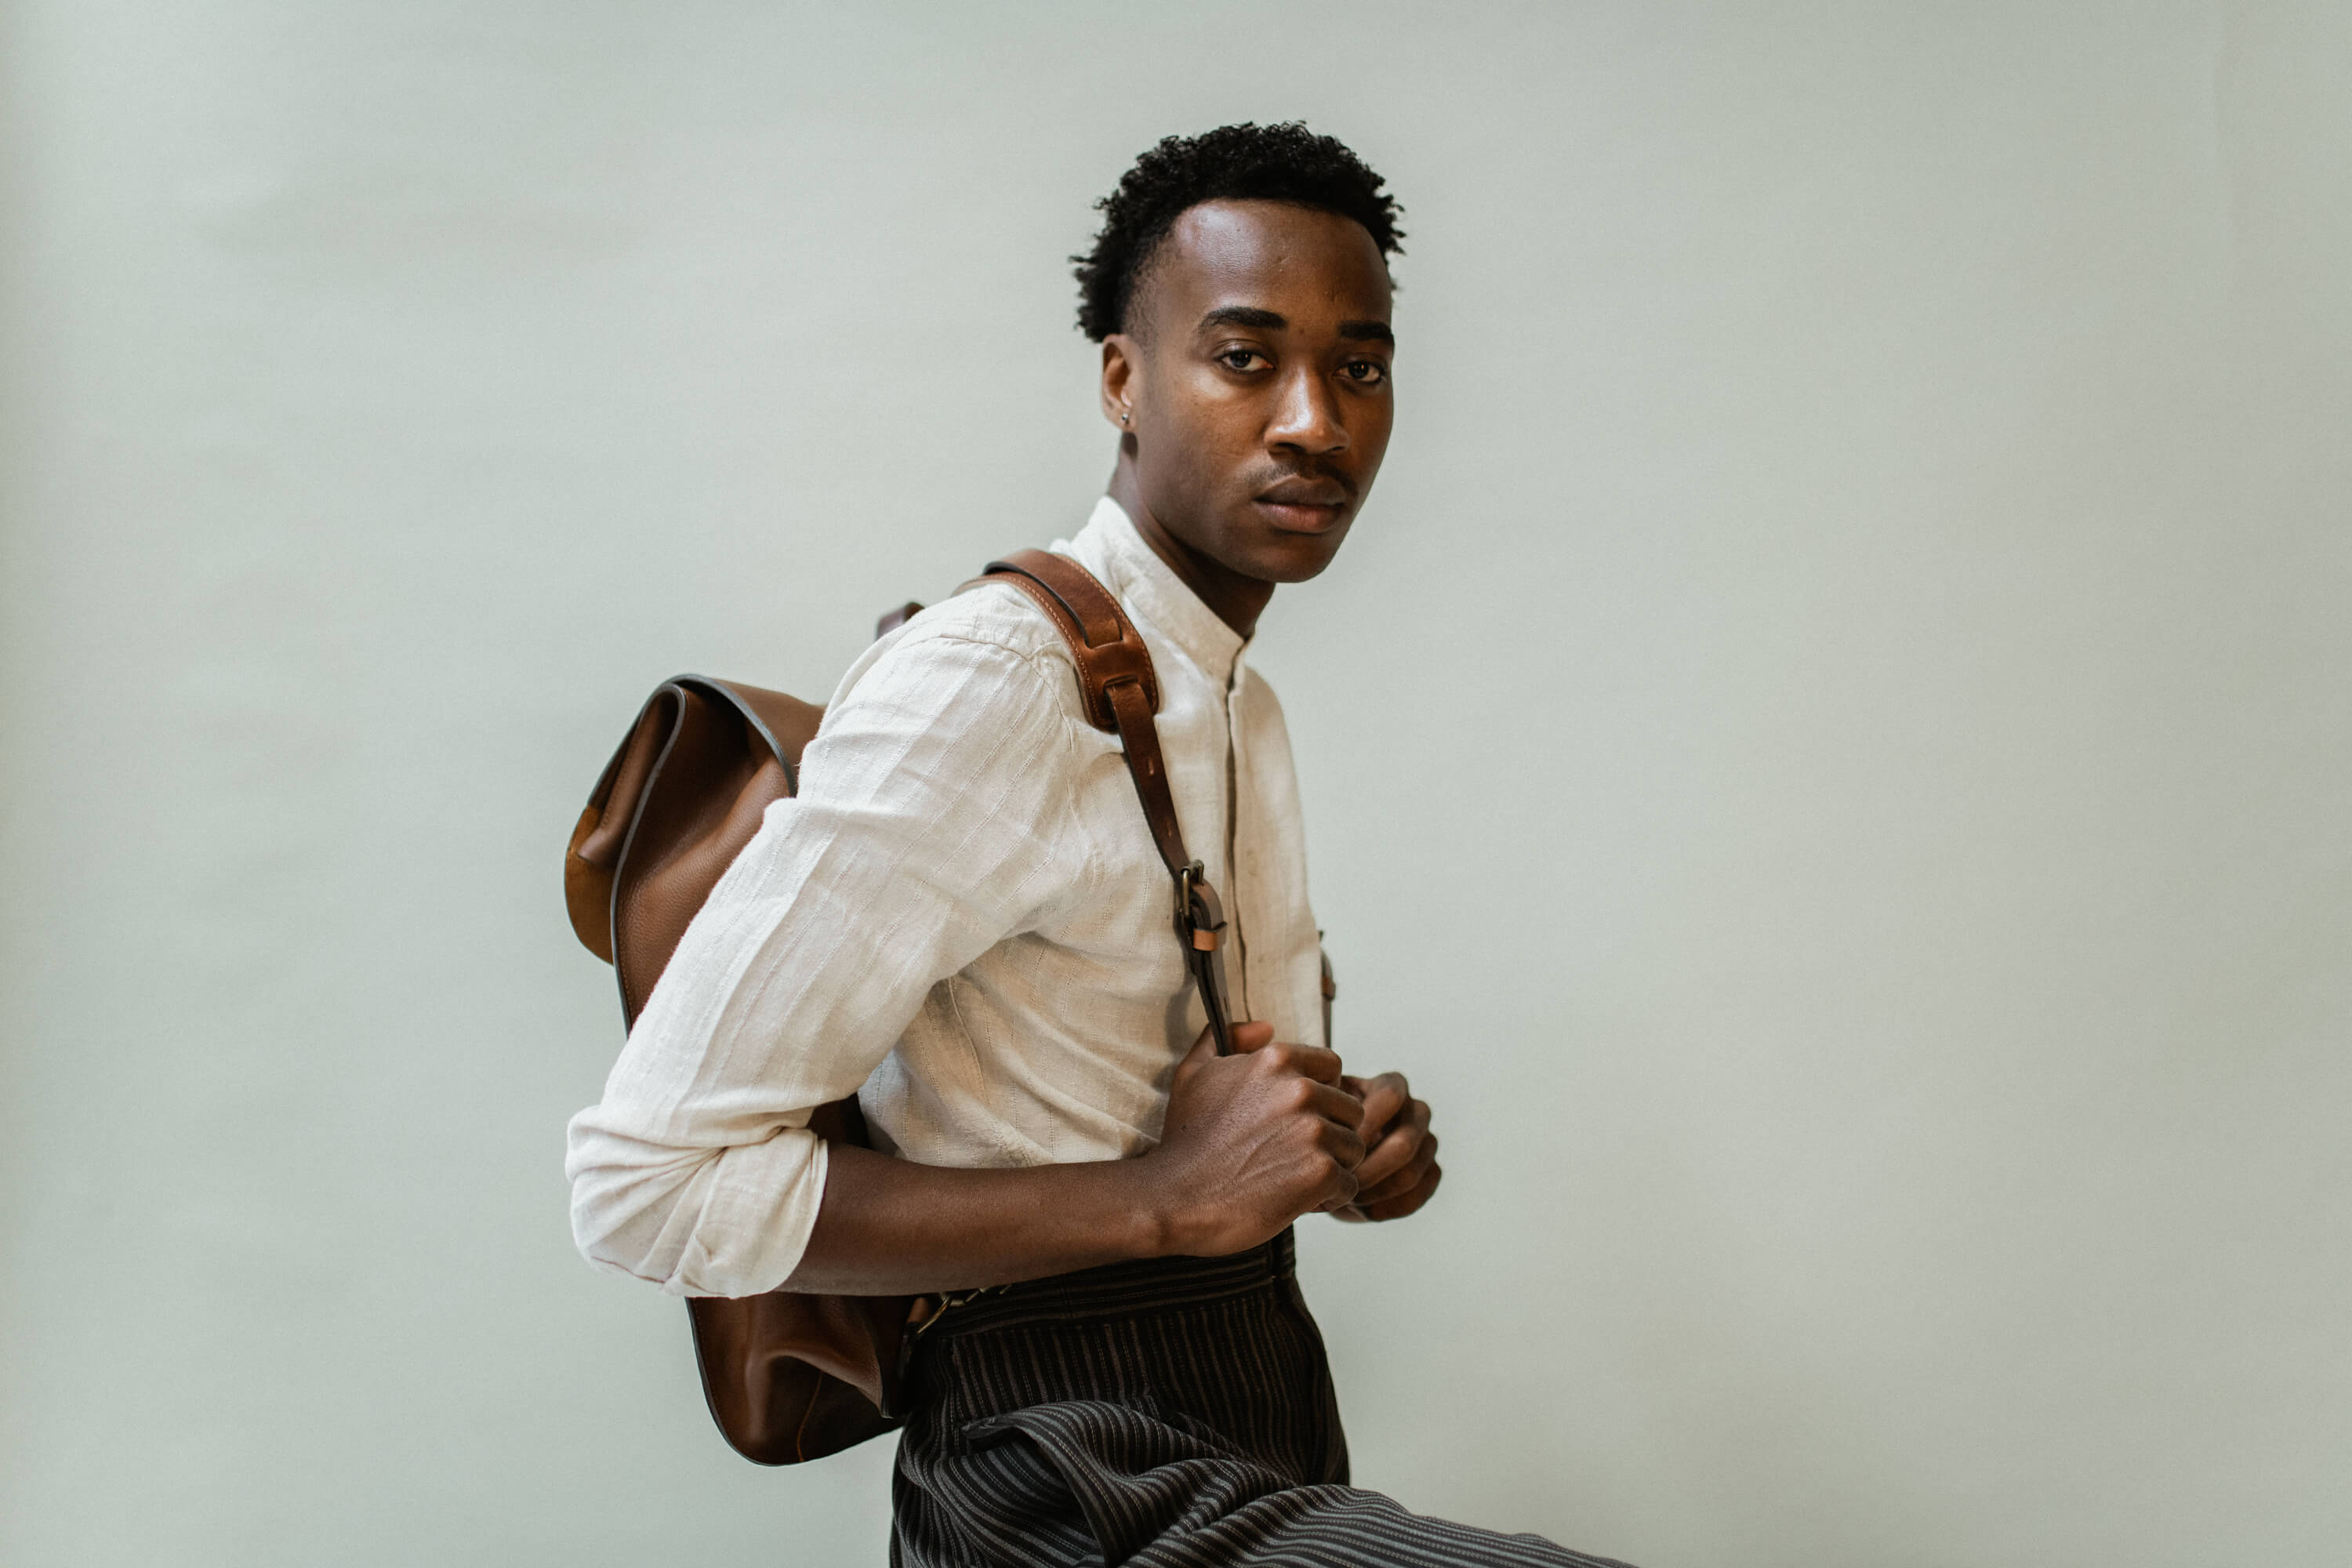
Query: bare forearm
x=1249, y=1143
x=890, y=1227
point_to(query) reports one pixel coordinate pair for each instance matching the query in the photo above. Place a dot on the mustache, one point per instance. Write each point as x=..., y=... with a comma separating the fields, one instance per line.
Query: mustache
x=1308, y=472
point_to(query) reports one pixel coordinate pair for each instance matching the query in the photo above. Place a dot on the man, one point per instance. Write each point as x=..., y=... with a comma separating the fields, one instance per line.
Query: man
x=963, y=918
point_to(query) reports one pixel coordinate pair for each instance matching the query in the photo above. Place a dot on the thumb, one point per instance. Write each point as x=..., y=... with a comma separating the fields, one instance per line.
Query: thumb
x=1205, y=1049
x=1248, y=1037
x=1202, y=1049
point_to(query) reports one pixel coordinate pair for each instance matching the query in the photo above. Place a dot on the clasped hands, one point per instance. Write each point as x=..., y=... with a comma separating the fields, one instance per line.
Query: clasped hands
x=1276, y=1130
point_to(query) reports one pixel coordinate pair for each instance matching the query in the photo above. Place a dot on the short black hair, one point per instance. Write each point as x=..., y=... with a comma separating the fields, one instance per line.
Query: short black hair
x=1286, y=163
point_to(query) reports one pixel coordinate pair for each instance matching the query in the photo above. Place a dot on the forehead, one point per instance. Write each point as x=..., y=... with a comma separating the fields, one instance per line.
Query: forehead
x=1309, y=267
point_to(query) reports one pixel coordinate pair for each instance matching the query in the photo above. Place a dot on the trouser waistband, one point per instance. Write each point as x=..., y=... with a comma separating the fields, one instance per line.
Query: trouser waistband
x=1119, y=1289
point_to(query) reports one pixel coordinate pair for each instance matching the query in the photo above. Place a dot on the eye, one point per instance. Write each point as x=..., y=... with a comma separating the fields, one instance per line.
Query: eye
x=1366, y=372
x=1242, y=359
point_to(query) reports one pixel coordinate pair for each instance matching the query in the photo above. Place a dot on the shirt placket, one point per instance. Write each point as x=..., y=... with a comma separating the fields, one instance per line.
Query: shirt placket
x=1237, y=895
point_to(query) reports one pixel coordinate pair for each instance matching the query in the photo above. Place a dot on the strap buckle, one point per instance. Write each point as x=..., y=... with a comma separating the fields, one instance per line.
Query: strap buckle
x=928, y=1309
x=1199, y=914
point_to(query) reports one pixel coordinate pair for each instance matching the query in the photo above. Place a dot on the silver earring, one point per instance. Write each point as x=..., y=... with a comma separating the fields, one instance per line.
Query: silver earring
x=1122, y=419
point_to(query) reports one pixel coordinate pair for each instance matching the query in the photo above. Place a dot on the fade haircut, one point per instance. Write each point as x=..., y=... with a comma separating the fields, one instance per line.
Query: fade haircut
x=1284, y=162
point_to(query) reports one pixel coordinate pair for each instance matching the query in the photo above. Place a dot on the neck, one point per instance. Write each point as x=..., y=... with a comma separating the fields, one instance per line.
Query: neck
x=1234, y=599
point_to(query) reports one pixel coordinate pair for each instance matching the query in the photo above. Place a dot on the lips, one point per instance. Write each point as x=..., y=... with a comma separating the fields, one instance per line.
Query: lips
x=1304, y=502
x=1305, y=493
x=1292, y=517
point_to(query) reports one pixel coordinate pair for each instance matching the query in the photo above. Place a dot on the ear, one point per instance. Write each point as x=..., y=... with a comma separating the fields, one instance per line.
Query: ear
x=1120, y=380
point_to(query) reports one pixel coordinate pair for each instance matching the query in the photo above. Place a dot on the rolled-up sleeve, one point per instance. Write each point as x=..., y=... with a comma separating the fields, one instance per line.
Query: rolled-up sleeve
x=934, y=820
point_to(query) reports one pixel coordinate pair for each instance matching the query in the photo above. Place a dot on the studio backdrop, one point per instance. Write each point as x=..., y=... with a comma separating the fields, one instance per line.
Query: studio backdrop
x=1826, y=755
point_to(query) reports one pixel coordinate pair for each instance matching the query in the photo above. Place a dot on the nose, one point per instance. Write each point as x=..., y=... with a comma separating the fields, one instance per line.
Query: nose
x=1307, y=415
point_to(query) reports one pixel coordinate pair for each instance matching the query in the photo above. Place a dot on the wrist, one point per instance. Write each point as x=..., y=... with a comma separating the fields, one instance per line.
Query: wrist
x=1151, y=1221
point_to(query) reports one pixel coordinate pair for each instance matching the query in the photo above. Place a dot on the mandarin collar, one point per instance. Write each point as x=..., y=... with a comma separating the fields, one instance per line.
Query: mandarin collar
x=1151, y=589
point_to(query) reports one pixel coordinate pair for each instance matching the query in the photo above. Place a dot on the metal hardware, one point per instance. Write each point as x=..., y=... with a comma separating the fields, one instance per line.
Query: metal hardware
x=948, y=1300
x=1196, y=898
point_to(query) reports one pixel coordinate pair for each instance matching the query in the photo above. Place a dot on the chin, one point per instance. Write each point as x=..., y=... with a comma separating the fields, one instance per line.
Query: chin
x=1273, y=557
x=1299, y=562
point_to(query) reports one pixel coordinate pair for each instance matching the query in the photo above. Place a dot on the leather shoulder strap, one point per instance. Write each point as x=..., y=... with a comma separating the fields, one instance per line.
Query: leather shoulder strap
x=1116, y=680
x=1107, y=649
x=1121, y=693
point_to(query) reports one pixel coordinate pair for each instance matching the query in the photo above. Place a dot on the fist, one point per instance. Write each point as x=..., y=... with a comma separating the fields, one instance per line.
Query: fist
x=1252, y=1141
x=1400, y=1169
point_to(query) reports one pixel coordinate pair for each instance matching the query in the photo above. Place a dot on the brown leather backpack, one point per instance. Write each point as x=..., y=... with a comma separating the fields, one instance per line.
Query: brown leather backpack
x=791, y=1375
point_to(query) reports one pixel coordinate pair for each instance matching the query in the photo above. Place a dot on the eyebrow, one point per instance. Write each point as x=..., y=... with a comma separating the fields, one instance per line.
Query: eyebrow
x=1244, y=316
x=1274, y=321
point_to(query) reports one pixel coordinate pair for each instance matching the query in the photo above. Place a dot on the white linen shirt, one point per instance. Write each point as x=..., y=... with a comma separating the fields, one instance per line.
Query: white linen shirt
x=961, y=919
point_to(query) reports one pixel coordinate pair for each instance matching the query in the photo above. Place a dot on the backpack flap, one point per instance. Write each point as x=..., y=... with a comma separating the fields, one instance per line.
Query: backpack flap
x=683, y=794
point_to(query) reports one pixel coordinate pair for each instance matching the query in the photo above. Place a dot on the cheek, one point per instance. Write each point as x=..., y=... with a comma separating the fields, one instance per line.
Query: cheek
x=1198, y=438
x=1368, y=436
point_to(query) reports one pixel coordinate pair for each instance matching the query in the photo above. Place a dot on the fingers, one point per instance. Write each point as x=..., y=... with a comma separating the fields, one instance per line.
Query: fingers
x=1270, y=1133
x=1314, y=1061
x=1396, y=1147
x=1336, y=1139
x=1369, y=1206
x=1337, y=1106
x=1409, y=1203
x=1308, y=1061
x=1342, y=1192
x=1379, y=1186
x=1383, y=1097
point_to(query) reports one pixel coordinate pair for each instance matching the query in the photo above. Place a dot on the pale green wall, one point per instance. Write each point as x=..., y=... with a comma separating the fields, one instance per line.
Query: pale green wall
x=1829, y=751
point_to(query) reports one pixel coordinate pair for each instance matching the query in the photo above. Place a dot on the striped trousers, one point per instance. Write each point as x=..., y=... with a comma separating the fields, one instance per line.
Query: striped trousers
x=1170, y=1413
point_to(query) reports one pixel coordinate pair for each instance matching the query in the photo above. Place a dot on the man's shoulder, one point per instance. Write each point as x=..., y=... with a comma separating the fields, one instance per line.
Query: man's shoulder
x=988, y=646
x=990, y=612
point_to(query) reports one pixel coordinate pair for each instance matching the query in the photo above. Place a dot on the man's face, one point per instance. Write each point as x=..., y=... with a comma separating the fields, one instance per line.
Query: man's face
x=1257, y=385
